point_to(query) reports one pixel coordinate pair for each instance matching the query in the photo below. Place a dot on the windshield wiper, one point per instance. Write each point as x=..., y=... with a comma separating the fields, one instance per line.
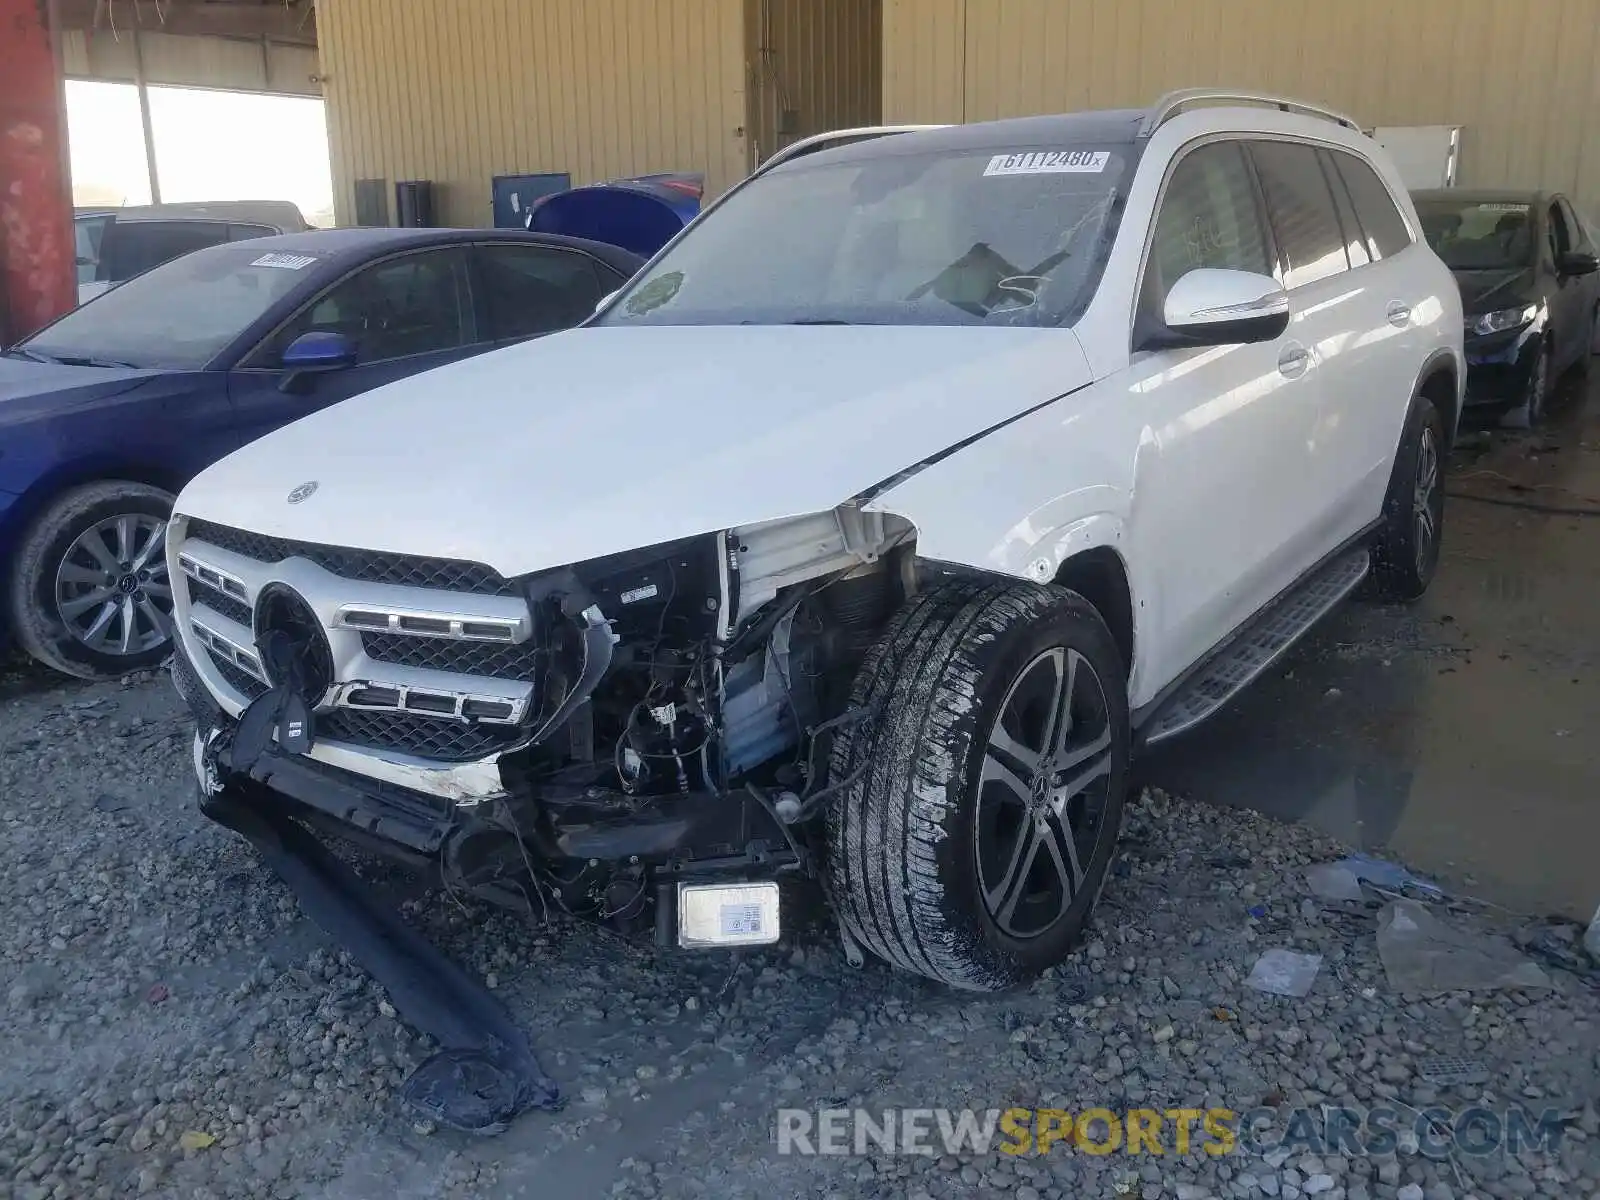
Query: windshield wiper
x=33, y=355
x=76, y=360
x=807, y=321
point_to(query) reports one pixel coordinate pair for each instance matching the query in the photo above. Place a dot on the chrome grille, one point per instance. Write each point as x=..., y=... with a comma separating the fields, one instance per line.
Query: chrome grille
x=370, y=566
x=469, y=658
x=424, y=737
x=218, y=601
x=246, y=684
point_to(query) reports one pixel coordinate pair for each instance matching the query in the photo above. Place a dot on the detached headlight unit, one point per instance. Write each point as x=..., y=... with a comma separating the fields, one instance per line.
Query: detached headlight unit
x=1502, y=320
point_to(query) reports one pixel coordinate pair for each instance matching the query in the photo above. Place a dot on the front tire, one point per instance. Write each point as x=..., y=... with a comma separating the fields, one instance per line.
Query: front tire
x=1406, y=552
x=987, y=794
x=89, y=589
x=1536, y=392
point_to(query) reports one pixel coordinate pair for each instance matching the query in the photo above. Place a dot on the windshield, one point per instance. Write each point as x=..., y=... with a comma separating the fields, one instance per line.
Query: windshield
x=939, y=238
x=178, y=316
x=1479, y=236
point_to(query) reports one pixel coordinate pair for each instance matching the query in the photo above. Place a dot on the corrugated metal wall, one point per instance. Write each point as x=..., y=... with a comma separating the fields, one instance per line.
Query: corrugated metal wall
x=188, y=61
x=460, y=92
x=816, y=61
x=1523, y=78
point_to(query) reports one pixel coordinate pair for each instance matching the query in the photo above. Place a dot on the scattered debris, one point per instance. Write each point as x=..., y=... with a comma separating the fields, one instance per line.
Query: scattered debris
x=157, y=993
x=1555, y=942
x=1420, y=953
x=1334, y=881
x=1284, y=972
x=195, y=1139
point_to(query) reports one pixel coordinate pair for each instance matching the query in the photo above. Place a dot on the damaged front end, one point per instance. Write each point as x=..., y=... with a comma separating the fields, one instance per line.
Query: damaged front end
x=640, y=739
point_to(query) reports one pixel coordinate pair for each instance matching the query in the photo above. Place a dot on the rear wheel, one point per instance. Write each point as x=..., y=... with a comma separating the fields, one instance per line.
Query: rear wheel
x=987, y=794
x=89, y=589
x=1406, y=551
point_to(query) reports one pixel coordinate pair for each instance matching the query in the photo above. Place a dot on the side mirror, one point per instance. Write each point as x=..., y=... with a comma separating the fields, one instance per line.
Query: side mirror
x=1578, y=262
x=314, y=353
x=1209, y=306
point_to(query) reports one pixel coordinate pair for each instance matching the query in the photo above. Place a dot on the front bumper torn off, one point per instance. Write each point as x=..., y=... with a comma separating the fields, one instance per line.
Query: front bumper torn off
x=485, y=1072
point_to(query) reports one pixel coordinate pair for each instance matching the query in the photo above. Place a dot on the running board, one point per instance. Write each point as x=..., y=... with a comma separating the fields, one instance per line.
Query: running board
x=1257, y=646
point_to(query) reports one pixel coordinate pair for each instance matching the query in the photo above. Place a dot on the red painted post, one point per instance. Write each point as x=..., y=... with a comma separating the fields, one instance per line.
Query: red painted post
x=38, y=278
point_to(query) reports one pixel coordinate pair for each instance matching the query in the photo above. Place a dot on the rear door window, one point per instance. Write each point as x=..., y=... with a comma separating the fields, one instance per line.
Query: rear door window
x=1355, y=240
x=1301, y=210
x=529, y=290
x=1386, y=230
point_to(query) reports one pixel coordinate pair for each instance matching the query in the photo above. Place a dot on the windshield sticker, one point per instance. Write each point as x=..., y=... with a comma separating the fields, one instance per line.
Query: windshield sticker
x=1049, y=162
x=286, y=262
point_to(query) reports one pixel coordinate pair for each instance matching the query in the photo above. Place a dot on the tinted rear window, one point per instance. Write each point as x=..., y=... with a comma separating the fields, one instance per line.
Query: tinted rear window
x=132, y=247
x=1375, y=207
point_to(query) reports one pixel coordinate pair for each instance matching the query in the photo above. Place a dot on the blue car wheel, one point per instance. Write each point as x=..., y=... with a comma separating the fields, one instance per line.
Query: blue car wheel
x=90, y=594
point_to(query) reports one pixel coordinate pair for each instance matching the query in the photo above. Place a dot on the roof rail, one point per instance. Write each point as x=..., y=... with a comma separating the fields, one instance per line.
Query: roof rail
x=824, y=141
x=1169, y=105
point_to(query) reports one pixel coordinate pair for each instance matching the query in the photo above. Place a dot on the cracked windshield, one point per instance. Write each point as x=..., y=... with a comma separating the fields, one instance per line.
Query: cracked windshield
x=953, y=238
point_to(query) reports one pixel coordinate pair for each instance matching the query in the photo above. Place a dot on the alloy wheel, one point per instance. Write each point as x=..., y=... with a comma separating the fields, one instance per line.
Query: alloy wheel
x=1425, y=500
x=112, y=591
x=1042, y=793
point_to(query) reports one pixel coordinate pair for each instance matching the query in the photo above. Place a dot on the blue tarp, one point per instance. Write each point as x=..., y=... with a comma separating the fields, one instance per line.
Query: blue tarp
x=640, y=214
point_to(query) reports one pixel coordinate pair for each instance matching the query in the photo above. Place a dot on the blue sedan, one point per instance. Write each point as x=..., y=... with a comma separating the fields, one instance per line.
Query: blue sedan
x=108, y=412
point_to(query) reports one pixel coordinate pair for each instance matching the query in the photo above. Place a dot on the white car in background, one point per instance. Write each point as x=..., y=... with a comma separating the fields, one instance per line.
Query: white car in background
x=865, y=534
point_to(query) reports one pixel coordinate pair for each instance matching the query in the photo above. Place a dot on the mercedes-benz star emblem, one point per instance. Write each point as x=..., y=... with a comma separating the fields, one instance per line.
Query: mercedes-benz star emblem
x=303, y=492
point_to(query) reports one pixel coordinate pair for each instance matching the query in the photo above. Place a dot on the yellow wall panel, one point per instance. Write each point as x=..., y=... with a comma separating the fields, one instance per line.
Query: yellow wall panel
x=818, y=59
x=1523, y=79
x=459, y=91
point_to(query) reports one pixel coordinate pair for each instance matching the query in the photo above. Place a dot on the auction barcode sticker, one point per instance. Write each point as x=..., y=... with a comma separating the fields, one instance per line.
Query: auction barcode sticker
x=1049, y=162
x=286, y=262
x=740, y=919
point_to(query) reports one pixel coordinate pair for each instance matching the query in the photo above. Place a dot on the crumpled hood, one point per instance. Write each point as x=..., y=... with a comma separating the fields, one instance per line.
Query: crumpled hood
x=598, y=440
x=32, y=389
x=1489, y=291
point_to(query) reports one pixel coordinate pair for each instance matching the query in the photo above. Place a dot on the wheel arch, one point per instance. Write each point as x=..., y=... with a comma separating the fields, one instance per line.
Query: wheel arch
x=62, y=478
x=1441, y=380
x=1084, y=557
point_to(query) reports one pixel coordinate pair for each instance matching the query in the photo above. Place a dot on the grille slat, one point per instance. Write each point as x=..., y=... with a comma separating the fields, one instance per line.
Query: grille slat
x=368, y=566
x=424, y=737
x=218, y=601
x=243, y=682
x=521, y=662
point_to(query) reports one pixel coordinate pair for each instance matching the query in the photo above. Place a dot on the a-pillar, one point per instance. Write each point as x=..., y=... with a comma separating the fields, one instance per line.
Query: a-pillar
x=38, y=277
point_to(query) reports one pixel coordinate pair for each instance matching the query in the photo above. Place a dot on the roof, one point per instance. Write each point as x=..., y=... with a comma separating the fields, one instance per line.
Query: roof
x=364, y=238
x=1103, y=127
x=282, y=213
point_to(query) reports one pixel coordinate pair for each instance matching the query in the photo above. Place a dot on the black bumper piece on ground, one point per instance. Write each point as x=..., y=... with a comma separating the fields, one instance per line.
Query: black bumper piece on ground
x=485, y=1073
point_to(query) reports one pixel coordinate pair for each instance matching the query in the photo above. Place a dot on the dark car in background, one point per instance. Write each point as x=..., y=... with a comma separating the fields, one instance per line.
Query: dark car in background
x=116, y=244
x=1527, y=268
x=105, y=414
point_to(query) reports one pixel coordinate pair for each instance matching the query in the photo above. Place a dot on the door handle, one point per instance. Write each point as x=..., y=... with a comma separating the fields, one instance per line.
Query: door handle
x=1399, y=314
x=1294, y=360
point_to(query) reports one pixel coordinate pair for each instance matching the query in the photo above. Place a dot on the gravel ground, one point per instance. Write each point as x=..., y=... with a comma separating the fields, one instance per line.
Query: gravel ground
x=171, y=1025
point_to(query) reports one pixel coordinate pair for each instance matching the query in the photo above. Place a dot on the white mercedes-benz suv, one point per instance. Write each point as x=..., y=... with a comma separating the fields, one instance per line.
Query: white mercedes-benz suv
x=864, y=535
